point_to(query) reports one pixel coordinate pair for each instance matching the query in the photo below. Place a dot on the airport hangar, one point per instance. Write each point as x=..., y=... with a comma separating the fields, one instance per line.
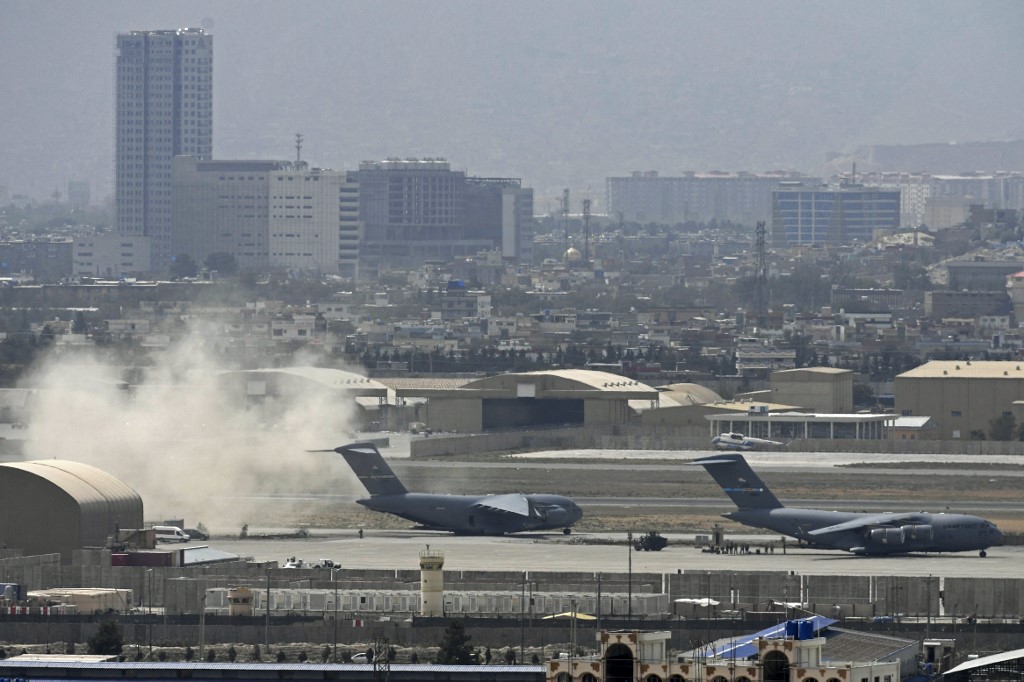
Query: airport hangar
x=274, y=390
x=573, y=397
x=57, y=506
x=962, y=396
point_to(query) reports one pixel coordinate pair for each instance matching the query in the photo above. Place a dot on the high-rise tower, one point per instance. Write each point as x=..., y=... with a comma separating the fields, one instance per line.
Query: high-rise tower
x=164, y=109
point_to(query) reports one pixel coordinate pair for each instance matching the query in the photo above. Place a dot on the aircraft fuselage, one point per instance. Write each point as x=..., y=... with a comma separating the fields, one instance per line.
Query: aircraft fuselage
x=465, y=514
x=923, y=532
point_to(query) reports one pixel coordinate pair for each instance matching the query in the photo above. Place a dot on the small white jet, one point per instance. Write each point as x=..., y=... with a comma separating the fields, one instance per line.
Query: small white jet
x=737, y=441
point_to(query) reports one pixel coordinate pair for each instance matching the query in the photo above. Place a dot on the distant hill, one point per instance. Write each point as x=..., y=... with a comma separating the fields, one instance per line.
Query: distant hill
x=935, y=158
x=562, y=94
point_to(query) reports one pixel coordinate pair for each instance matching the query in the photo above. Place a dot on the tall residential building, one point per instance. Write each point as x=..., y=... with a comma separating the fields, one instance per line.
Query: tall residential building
x=270, y=215
x=928, y=199
x=164, y=109
x=420, y=210
x=837, y=215
x=647, y=197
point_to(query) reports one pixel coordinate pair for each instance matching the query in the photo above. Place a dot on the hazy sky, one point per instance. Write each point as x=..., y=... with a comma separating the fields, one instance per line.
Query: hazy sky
x=560, y=94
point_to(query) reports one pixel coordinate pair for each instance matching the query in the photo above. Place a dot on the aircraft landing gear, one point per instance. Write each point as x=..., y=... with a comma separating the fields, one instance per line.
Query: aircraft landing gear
x=566, y=531
x=983, y=554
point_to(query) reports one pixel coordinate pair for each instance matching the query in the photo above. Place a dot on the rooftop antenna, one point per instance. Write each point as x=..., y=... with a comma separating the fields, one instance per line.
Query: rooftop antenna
x=761, y=283
x=565, y=216
x=298, y=148
x=586, y=231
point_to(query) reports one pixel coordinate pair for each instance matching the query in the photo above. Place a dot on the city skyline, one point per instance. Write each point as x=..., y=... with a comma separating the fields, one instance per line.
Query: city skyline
x=563, y=98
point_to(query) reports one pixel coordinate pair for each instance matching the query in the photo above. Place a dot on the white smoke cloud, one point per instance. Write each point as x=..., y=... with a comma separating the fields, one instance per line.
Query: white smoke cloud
x=189, y=447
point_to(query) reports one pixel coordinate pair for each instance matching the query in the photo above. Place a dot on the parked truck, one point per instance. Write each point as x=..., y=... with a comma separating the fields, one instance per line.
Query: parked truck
x=650, y=541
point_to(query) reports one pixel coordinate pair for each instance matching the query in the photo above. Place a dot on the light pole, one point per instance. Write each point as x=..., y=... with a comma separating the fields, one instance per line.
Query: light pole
x=202, y=627
x=572, y=639
x=522, y=620
x=334, y=577
x=928, y=625
x=266, y=626
x=149, y=600
x=629, y=605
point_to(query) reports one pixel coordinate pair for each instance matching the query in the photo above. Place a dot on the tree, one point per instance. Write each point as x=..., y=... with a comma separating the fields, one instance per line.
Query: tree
x=455, y=648
x=863, y=394
x=211, y=656
x=232, y=653
x=79, y=326
x=1002, y=427
x=222, y=262
x=106, y=640
x=183, y=265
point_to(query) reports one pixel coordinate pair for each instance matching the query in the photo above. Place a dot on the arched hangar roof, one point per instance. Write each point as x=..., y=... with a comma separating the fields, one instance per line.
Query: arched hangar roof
x=86, y=484
x=567, y=383
x=57, y=505
x=326, y=378
x=690, y=394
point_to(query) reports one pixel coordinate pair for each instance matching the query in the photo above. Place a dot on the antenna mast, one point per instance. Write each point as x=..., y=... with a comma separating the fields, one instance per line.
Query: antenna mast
x=298, y=148
x=586, y=231
x=565, y=216
x=761, y=282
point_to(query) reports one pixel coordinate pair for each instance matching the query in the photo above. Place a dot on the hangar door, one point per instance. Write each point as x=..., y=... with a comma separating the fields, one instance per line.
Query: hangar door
x=510, y=413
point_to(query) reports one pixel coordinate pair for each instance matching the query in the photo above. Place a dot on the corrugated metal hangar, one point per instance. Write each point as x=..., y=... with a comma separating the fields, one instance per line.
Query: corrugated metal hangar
x=533, y=399
x=57, y=506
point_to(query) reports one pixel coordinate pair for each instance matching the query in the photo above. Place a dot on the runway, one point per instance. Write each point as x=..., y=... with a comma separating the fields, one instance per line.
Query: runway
x=613, y=474
x=596, y=552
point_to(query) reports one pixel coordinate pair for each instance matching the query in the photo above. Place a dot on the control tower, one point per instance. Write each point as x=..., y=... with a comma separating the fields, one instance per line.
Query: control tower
x=432, y=582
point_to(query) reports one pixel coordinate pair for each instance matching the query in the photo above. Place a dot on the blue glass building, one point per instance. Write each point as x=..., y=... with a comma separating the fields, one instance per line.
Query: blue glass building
x=819, y=215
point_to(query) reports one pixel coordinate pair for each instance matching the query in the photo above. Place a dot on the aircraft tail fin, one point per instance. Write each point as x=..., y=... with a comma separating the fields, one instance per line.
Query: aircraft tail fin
x=371, y=469
x=739, y=481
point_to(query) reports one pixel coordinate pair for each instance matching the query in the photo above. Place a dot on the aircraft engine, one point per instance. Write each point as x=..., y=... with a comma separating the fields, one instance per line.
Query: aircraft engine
x=887, y=536
x=922, y=532
x=555, y=514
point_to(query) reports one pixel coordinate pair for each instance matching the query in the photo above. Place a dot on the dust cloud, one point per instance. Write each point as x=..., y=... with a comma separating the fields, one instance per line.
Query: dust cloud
x=189, y=441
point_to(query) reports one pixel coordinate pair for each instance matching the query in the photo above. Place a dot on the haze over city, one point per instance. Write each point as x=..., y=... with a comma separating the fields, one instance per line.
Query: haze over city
x=560, y=94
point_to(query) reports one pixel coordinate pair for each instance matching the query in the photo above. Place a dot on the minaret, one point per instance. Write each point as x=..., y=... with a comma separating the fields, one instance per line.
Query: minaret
x=432, y=582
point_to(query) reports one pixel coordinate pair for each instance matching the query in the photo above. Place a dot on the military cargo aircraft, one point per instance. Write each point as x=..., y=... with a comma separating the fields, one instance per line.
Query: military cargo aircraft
x=460, y=514
x=856, y=532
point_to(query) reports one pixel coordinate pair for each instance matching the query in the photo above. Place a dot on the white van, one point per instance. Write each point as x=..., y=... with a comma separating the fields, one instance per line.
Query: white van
x=170, y=534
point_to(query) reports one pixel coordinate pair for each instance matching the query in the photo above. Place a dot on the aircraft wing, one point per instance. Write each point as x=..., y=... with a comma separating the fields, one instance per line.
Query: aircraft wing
x=867, y=521
x=513, y=503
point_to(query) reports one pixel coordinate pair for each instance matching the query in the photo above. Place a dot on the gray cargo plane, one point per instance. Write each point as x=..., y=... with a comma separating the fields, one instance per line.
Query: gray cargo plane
x=857, y=532
x=460, y=514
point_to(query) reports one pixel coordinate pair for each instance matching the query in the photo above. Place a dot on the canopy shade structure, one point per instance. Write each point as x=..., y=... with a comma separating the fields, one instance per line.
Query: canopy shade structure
x=571, y=614
x=699, y=602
